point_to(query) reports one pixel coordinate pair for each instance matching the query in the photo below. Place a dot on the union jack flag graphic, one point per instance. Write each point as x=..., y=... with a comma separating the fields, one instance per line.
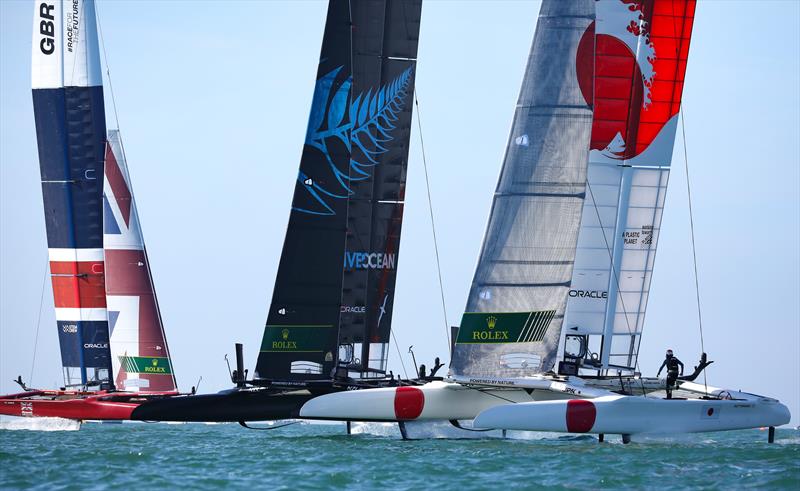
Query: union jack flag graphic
x=139, y=351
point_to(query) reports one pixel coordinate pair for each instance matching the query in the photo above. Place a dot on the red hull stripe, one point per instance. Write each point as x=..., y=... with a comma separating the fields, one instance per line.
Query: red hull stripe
x=581, y=415
x=408, y=403
x=78, y=284
x=81, y=408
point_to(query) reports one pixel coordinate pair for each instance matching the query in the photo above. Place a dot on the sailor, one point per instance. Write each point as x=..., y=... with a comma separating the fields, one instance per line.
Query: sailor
x=672, y=363
x=436, y=366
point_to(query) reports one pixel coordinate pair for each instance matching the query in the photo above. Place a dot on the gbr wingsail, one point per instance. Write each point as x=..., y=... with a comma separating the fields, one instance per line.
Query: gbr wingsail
x=71, y=132
x=140, y=355
x=98, y=263
x=331, y=308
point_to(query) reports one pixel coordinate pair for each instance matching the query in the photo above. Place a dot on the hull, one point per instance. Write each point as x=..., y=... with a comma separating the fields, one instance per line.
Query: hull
x=637, y=415
x=552, y=409
x=432, y=401
x=230, y=406
x=74, y=404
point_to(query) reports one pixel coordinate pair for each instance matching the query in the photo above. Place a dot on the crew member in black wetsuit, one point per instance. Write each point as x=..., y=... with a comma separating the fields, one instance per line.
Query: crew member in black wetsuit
x=672, y=363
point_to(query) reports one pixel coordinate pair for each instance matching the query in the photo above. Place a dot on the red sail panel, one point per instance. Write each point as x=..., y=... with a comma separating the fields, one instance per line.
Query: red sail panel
x=635, y=78
x=131, y=278
x=78, y=284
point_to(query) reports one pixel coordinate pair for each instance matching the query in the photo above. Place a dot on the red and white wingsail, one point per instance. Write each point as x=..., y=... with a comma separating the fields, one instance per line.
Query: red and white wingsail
x=139, y=351
x=631, y=67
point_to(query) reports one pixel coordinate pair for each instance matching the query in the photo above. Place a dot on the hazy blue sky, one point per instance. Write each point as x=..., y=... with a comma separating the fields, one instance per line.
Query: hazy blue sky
x=213, y=100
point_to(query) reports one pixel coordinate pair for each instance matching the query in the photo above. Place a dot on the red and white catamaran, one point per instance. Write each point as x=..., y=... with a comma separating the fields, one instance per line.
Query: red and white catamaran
x=550, y=337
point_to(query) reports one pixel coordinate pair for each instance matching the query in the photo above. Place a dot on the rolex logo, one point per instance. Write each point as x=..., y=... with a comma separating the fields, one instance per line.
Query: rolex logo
x=283, y=344
x=491, y=321
x=153, y=368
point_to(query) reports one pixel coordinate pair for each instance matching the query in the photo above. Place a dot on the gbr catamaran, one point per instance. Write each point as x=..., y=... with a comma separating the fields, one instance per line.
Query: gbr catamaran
x=550, y=337
x=329, y=321
x=106, y=309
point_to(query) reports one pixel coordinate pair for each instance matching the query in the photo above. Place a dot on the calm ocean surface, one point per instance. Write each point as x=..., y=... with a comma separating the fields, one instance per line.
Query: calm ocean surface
x=304, y=456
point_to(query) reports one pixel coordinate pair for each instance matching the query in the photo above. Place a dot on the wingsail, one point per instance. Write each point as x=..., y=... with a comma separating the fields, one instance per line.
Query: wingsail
x=71, y=132
x=627, y=62
x=139, y=350
x=518, y=296
x=332, y=303
x=631, y=67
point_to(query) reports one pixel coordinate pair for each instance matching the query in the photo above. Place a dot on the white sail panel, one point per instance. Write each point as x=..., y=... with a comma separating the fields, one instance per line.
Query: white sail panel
x=588, y=294
x=66, y=50
x=46, y=68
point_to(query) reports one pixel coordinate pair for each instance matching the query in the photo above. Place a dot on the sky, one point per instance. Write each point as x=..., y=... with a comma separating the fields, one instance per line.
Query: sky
x=213, y=102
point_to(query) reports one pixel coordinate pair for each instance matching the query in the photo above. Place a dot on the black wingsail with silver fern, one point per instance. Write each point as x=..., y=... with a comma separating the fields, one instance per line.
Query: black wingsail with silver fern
x=331, y=306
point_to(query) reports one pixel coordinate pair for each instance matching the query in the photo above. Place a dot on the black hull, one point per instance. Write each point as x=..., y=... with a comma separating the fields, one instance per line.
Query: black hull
x=233, y=406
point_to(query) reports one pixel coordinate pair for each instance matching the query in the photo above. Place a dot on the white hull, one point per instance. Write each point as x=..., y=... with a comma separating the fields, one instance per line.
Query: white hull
x=432, y=401
x=637, y=415
x=550, y=405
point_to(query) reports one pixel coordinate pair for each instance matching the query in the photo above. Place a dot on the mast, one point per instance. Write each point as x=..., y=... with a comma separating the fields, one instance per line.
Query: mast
x=632, y=65
x=70, y=128
x=512, y=323
x=139, y=348
x=332, y=301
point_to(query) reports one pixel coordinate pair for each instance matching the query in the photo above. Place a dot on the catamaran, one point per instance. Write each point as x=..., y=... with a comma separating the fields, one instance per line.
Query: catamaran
x=106, y=309
x=329, y=321
x=550, y=336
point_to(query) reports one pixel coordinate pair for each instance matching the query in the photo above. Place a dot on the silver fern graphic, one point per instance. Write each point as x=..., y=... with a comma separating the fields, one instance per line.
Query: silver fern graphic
x=364, y=126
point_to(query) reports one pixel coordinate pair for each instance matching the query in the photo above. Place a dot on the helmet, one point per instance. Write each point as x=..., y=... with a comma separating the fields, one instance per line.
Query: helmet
x=669, y=352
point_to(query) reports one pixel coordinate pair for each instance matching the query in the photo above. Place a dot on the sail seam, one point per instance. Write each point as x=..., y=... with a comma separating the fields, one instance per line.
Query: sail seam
x=529, y=285
x=556, y=106
x=543, y=195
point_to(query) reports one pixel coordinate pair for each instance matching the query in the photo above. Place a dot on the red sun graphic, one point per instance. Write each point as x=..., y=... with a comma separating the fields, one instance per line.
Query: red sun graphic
x=630, y=110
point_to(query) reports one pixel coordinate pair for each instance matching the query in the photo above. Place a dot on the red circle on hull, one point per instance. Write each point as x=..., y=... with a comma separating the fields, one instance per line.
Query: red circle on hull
x=581, y=415
x=408, y=402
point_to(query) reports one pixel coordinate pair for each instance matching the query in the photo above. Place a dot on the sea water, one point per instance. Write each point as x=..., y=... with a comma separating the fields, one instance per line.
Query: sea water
x=314, y=456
